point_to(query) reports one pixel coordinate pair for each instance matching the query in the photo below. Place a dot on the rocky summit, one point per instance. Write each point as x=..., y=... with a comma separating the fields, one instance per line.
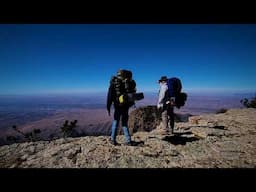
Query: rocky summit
x=224, y=140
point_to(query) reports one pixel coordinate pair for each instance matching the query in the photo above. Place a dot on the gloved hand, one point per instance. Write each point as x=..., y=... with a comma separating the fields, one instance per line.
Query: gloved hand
x=159, y=106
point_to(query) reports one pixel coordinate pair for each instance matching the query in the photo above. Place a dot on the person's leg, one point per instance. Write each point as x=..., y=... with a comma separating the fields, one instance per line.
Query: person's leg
x=115, y=124
x=125, y=117
x=171, y=118
x=165, y=121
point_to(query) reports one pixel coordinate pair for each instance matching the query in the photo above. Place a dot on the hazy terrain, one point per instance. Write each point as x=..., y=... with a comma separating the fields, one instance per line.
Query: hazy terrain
x=224, y=140
x=49, y=112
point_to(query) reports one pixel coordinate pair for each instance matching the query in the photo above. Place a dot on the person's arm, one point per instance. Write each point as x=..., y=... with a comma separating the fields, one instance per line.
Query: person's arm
x=109, y=98
x=134, y=86
x=163, y=89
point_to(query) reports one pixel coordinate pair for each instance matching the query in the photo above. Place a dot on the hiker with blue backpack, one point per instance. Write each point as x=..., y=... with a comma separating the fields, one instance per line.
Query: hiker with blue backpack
x=170, y=96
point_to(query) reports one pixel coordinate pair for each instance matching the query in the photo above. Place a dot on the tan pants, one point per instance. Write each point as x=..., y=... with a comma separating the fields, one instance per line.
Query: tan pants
x=168, y=119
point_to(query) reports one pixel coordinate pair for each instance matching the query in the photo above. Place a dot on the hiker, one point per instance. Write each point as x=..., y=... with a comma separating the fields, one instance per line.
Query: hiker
x=119, y=87
x=166, y=105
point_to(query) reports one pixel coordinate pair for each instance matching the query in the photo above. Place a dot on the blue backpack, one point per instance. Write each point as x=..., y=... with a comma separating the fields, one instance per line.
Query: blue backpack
x=174, y=90
x=174, y=86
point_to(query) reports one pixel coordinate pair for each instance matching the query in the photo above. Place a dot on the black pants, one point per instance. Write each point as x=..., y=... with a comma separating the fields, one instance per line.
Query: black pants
x=121, y=112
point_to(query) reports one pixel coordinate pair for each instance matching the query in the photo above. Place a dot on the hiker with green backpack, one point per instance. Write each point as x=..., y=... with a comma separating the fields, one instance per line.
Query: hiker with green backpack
x=122, y=93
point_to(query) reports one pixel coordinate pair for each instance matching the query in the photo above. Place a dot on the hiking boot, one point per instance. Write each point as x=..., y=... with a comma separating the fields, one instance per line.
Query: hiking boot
x=163, y=132
x=131, y=143
x=170, y=133
x=166, y=132
x=113, y=142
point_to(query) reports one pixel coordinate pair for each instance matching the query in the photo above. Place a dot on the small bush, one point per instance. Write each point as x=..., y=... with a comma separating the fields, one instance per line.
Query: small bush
x=11, y=138
x=67, y=130
x=222, y=110
x=249, y=104
x=30, y=136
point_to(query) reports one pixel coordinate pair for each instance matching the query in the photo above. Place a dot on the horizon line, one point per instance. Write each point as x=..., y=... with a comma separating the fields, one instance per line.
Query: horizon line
x=195, y=91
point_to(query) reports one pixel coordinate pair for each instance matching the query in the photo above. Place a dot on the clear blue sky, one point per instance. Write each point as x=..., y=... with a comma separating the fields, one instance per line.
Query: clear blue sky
x=70, y=58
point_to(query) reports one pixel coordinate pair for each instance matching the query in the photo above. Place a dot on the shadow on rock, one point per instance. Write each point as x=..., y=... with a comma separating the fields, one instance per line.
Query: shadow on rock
x=219, y=127
x=138, y=143
x=177, y=139
x=183, y=133
x=182, y=117
x=206, y=126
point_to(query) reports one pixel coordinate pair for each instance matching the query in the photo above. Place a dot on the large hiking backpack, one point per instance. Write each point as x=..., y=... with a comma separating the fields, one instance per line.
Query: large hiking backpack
x=174, y=86
x=124, y=88
x=174, y=90
x=124, y=74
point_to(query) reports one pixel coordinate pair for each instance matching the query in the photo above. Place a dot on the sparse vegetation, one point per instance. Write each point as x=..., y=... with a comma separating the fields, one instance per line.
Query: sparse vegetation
x=68, y=129
x=30, y=136
x=11, y=138
x=249, y=104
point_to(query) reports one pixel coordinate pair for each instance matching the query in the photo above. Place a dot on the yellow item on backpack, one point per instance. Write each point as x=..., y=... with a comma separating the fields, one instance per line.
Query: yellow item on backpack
x=121, y=99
